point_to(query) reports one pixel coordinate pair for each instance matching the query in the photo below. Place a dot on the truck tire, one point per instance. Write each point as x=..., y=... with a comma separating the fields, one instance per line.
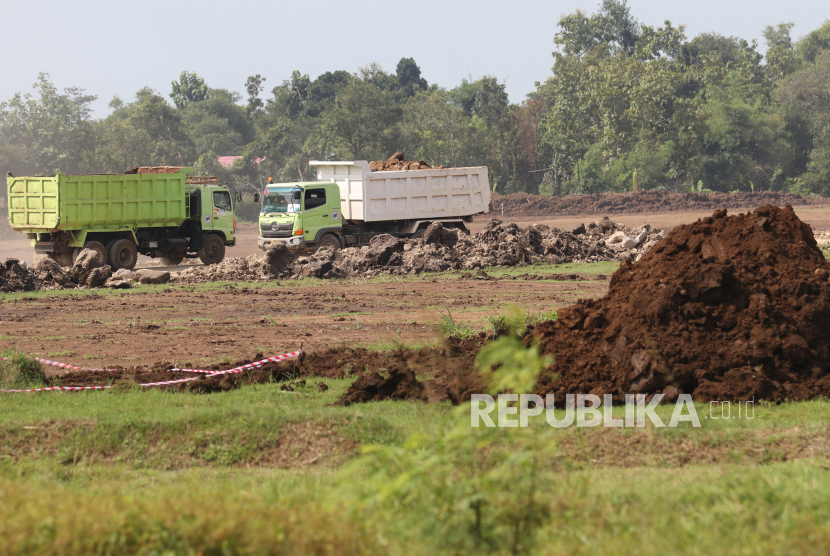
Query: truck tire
x=172, y=261
x=212, y=250
x=108, y=247
x=329, y=239
x=123, y=254
x=99, y=248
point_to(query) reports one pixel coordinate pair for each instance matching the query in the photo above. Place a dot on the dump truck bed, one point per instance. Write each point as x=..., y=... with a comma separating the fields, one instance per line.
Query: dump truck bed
x=368, y=196
x=106, y=201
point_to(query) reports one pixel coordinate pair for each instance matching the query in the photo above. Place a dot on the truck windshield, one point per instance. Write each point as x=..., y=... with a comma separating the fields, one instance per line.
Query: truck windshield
x=281, y=199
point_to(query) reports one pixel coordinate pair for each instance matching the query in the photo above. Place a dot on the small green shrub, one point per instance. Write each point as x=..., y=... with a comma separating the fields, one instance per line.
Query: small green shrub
x=20, y=371
x=452, y=329
x=517, y=320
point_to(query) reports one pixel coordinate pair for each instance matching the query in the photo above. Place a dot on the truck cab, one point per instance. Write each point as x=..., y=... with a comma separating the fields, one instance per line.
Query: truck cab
x=302, y=215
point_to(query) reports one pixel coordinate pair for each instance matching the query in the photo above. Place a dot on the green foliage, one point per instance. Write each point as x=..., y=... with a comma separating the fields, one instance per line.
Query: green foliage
x=482, y=490
x=628, y=106
x=188, y=89
x=452, y=329
x=17, y=371
x=46, y=132
x=516, y=367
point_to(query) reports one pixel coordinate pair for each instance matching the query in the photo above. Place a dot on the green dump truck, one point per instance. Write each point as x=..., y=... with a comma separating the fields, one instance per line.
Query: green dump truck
x=350, y=204
x=158, y=212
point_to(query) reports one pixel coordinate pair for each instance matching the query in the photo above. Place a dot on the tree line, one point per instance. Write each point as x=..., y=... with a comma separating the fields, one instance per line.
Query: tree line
x=627, y=107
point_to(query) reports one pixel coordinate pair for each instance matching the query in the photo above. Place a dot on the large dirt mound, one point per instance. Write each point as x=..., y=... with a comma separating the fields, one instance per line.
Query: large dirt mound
x=725, y=308
x=524, y=205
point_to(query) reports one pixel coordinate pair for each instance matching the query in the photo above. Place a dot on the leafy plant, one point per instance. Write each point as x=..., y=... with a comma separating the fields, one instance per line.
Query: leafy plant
x=468, y=490
x=452, y=329
x=508, y=365
x=516, y=319
x=19, y=371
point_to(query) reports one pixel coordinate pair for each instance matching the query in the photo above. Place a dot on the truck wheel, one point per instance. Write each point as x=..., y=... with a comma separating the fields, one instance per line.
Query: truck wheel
x=213, y=250
x=171, y=261
x=329, y=239
x=123, y=254
x=98, y=247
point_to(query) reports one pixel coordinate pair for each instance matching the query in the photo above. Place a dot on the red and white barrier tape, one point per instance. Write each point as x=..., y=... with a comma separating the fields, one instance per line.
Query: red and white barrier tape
x=254, y=365
x=208, y=374
x=66, y=365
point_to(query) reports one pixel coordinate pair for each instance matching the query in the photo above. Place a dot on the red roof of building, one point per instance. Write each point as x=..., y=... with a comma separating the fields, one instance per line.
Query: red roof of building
x=228, y=161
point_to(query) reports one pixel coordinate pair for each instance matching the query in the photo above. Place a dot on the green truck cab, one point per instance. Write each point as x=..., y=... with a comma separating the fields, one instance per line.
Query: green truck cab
x=157, y=212
x=351, y=204
x=302, y=215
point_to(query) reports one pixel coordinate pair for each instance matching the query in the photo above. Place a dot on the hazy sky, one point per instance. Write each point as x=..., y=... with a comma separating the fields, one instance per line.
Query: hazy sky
x=116, y=47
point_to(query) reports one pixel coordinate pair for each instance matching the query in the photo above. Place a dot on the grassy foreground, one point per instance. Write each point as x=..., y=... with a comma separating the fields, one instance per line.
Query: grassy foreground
x=259, y=471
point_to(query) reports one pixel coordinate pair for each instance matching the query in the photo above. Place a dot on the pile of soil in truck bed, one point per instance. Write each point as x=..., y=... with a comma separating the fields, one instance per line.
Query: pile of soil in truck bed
x=730, y=307
x=398, y=162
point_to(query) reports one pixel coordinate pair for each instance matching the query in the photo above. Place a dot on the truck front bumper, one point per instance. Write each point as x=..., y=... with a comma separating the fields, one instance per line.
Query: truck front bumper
x=295, y=242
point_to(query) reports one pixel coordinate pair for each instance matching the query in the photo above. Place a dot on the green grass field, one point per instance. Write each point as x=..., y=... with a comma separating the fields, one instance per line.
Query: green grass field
x=260, y=471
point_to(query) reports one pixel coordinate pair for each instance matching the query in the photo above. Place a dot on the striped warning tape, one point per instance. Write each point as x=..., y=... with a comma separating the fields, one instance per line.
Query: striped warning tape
x=254, y=365
x=65, y=365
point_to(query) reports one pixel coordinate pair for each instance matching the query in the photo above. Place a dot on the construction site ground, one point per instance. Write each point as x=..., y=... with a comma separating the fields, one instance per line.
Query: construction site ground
x=223, y=321
x=278, y=465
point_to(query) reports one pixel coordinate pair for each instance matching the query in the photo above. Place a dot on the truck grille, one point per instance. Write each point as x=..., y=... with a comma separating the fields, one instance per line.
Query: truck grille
x=282, y=230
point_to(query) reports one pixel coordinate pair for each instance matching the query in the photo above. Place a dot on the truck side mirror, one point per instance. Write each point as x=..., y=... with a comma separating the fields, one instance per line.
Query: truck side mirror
x=256, y=197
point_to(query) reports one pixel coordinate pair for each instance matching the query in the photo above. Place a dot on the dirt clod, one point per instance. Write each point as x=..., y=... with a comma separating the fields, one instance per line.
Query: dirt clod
x=48, y=274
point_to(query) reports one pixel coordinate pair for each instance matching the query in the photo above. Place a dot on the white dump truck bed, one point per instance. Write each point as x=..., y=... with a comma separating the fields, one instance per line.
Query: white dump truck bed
x=367, y=196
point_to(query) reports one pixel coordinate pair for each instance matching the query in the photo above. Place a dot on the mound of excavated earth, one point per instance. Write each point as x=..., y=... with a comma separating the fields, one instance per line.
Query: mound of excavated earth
x=730, y=307
x=440, y=249
x=47, y=274
x=519, y=205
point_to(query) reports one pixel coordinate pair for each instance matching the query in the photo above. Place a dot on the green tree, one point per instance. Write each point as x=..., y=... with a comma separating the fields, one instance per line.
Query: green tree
x=409, y=77
x=189, y=88
x=217, y=124
x=362, y=115
x=806, y=98
x=435, y=129
x=46, y=132
x=253, y=86
x=145, y=132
